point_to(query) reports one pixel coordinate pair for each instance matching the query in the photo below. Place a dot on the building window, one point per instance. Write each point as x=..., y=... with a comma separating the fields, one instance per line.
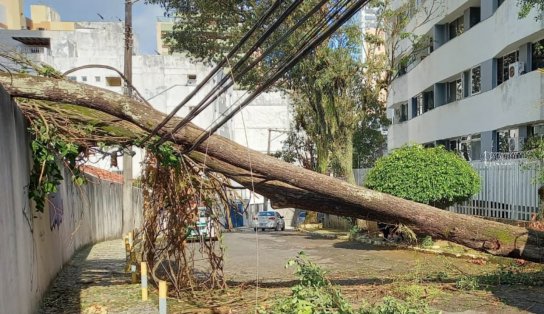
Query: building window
x=537, y=55
x=474, y=16
x=401, y=113
x=113, y=81
x=84, y=79
x=97, y=78
x=455, y=90
x=424, y=102
x=503, y=64
x=419, y=104
x=72, y=78
x=456, y=27
x=428, y=100
x=191, y=79
x=509, y=140
x=470, y=147
x=476, y=80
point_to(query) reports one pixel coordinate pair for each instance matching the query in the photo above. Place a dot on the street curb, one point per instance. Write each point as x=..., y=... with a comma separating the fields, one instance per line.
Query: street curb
x=393, y=245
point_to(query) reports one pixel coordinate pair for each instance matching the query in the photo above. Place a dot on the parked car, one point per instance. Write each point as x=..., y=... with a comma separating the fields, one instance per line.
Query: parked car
x=268, y=220
x=203, y=228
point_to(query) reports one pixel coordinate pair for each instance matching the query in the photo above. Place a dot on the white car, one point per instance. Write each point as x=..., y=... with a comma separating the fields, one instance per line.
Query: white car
x=203, y=228
x=268, y=220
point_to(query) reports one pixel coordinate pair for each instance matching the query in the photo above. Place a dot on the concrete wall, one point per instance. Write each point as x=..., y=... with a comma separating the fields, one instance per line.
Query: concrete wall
x=35, y=246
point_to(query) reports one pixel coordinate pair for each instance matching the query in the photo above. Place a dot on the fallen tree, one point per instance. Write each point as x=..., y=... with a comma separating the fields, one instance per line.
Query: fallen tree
x=286, y=184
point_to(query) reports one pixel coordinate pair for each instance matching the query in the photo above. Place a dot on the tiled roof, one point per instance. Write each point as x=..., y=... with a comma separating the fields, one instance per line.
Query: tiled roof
x=102, y=174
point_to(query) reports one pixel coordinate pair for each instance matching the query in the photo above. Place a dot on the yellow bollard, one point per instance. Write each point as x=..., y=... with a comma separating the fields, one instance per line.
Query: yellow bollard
x=127, y=252
x=143, y=271
x=163, y=291
x=130, y=239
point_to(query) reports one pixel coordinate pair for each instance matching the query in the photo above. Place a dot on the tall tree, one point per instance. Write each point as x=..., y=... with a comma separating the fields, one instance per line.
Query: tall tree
x=284, y=183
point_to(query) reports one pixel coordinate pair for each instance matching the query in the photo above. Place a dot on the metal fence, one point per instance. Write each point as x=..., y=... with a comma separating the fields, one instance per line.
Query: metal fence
x=508, y=189
x=360, y=175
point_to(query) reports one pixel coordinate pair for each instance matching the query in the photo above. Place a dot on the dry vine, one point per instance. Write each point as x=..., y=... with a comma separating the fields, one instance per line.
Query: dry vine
x=174, y=188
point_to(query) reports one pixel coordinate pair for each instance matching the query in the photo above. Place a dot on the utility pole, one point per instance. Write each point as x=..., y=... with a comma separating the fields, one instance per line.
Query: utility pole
x=128, y=211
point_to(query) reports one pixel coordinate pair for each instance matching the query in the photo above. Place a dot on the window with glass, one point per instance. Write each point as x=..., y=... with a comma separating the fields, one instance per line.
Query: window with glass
x=419, y=105
x=508, y=140
x=537, y=52
x=476, y=80
x=469, y=147
x=401, y=113
x=457, y=27
x=503, y=64
x=454, y=90
x=424, y=102
x=428, y=101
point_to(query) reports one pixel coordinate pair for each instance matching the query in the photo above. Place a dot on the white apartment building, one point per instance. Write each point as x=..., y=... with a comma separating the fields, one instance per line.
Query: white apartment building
x=477, y=88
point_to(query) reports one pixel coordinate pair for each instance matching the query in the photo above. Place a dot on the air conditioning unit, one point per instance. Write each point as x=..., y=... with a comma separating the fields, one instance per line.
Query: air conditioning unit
x=516, y=69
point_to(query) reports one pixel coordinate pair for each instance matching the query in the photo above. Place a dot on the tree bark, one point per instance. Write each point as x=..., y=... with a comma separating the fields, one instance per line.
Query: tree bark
x=286, y=184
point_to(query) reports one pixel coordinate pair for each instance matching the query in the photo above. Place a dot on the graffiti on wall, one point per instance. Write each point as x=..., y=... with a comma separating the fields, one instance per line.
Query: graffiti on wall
x=56, y=210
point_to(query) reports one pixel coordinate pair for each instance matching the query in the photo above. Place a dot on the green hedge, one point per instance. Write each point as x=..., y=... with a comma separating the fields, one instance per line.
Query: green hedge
x=431, y=176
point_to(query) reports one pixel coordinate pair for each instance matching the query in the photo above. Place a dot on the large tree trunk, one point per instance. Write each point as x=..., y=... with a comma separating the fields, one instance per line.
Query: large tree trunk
x=288, y=185
x=344, y=158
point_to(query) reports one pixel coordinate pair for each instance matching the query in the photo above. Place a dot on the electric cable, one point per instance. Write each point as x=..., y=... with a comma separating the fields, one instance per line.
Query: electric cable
x=231, y=53
x=206, y=101
x=333, y=27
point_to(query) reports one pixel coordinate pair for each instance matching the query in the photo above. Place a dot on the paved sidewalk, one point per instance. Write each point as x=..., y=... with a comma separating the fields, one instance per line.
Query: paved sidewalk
x=94, y=282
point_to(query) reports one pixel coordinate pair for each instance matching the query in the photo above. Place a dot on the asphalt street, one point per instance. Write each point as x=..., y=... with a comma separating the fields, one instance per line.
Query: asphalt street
x=264, y=255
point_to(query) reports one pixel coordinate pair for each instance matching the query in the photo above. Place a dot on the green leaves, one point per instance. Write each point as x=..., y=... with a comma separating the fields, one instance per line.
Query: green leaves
x=313, y=294
x=431, y=176
x=525, y=7
x=166, y=155
x=48, y=148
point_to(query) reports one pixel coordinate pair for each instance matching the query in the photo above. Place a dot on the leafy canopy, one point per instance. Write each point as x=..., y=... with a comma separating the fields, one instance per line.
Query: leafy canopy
x=525, y=7
x=431, y=176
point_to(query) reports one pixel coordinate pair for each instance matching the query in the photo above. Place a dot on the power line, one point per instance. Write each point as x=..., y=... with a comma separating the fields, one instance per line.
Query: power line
x=204, y=102
x=208, y=99
x=332, y=28
x=242, y=41
x=337, y=8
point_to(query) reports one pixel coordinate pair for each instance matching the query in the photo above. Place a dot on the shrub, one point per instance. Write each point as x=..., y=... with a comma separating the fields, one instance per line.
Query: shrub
x=431, y=176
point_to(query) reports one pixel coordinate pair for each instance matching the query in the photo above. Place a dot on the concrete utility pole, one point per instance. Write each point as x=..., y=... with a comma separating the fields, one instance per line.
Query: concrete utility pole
x=128, y=212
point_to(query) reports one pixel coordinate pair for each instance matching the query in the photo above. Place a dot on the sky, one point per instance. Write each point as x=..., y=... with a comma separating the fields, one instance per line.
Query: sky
x=144, y=16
